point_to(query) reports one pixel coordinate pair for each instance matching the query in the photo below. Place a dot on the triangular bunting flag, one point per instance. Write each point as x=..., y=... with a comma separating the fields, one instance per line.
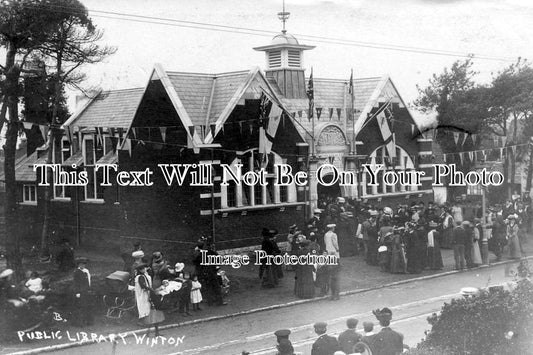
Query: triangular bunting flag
x=513, y=148
x=134, y=132
x=412, y=129
x=318, y=112
x=300, y=114
x=455, y=137
x=27, y=125
x=339, y=111
x=127, y=146
x=471, y=156
x=444, y=157
x=163, y=131
x=44, y=132
x=465, y=136
x=191, y=130
x=461, y=158
x=330, y=113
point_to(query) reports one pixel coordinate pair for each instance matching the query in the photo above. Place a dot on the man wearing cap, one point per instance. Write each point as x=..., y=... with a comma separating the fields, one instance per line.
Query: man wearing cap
x=349, y=337
x=387, y=341
x=459, y=238
x=370, y=238
x=82, y=293
x=325, y=344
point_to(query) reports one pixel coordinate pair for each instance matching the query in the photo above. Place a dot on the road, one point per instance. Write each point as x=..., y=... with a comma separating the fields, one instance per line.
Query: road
x=411, y=304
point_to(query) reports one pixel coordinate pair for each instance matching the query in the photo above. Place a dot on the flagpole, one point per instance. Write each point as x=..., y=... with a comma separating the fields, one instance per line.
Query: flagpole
x=310, y=95
x=353, y=111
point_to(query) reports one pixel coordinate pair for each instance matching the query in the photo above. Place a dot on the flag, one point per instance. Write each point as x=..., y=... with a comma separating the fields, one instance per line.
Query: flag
x=163, y=131
x=311, y=94
x=339, y=110
x=269, y=119
x=351, y=92
x=412, y=129
x=388, y=136
x=456, y=137
x=318, y=112
x=27, y=125
x=330, y=113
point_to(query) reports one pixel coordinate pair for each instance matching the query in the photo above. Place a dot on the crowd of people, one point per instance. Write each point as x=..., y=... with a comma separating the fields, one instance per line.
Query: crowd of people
x=366, y=341
x=406, y=239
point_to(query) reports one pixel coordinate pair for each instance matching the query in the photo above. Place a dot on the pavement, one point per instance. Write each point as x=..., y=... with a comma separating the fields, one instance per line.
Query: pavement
x=247, y=299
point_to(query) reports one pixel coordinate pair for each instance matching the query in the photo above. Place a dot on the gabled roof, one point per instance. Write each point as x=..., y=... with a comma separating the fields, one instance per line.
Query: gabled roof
x=114, y=109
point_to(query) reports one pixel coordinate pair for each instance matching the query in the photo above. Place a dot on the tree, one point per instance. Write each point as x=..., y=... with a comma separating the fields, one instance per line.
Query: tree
x=460, y=106
x=24, y=26
x=72, y=44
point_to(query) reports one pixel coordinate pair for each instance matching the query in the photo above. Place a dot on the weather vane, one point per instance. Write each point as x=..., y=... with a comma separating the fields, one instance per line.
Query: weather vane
x=283, y=16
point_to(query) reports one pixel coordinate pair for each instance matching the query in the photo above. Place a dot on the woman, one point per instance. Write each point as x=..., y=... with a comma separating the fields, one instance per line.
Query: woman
x=148, y=315
x=476, y=252
x=512, y=237
x=434, y=256
x=160, y=270
x=304, y=286
x=398, y=262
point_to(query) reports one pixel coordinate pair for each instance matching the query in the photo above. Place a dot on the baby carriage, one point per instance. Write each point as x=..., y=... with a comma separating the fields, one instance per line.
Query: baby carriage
x=119, y=297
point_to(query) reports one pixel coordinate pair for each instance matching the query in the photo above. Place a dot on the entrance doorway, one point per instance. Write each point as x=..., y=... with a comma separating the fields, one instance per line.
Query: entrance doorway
x=328, y=193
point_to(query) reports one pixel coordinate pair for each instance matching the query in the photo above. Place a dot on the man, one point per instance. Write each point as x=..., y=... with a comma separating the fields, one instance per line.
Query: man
x=82, y=293
x=330, y=240
x=459, y=238
x=349, y=337
x=387, y=341
x=325, y=344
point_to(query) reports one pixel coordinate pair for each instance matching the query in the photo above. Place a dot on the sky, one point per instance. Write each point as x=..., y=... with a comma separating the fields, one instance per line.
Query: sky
x=497, y=28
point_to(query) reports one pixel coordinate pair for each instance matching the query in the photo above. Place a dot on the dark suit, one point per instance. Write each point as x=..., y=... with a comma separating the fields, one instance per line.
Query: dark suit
x=83, y=304
x=386, y=342
x=325, y=345
x=348, y=339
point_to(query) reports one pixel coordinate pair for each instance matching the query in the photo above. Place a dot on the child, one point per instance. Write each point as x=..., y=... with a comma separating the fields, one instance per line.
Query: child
x=196, y=295
x=185, y=299
x=369, y=328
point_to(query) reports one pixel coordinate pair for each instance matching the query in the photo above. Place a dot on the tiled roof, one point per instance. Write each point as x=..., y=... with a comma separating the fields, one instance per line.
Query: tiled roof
x=334, y=94
x=24, y=167
x=110, y=109
x=195, y=90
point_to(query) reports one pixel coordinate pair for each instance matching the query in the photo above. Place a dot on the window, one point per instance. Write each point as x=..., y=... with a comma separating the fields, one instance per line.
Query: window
x=274, y=59
x=234, y=195
x=93, y=150
x=62, y=151
x=29, y=194
x=402, y=162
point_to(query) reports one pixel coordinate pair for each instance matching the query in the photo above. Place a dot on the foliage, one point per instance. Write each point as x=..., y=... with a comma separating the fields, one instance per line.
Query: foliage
x=481, y=324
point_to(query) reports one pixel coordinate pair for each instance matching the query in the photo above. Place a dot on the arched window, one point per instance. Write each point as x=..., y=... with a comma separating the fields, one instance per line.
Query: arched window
x=402, y=162
x=234, y=195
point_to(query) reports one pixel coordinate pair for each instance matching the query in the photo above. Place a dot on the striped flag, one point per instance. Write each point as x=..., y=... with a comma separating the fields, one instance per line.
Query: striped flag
x=268, y=126
x=311, y=94
x=388, y=136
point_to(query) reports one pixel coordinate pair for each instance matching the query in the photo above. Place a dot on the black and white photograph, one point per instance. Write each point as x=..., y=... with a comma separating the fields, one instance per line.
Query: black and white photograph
x=278, y=177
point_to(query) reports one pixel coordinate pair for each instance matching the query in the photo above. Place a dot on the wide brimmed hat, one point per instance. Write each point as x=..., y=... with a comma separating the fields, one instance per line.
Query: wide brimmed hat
x=331, y=225
x=373, y=213
x=341, y=200
x=384, y=314
x=137, y=254
x=466, y=224
x=6, y=273
x=157, y=256
x=82, y=260
x=179, y=266
x=512, y=216
x=317, y=211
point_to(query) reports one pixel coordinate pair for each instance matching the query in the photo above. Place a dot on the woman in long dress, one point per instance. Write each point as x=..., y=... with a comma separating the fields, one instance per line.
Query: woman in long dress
x=512, y=237
x=304, y=285
x=476, y=252
x=434, y=240
x=143, y=291
x=398, y=261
